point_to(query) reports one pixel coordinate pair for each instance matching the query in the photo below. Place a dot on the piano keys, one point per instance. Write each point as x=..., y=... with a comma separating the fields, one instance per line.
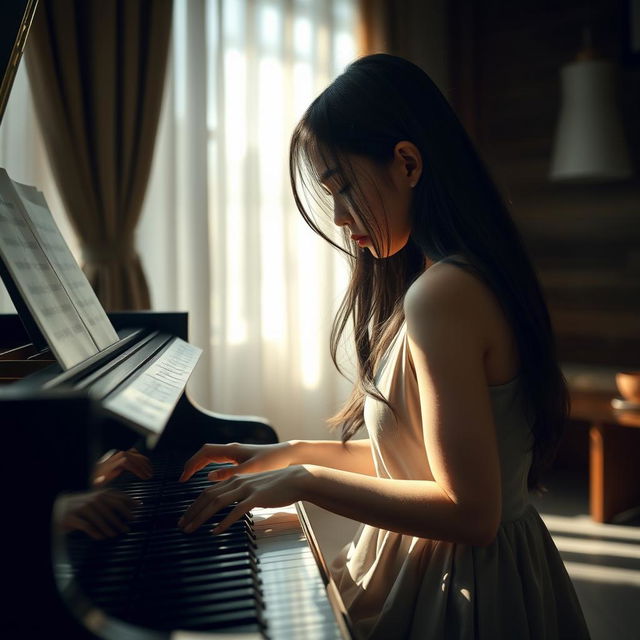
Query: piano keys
x=155, y=582
x=259, y=578
x=301, y=603
x=264, y=578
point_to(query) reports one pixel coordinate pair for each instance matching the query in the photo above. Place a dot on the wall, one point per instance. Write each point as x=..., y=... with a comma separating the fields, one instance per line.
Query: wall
x=584, y=239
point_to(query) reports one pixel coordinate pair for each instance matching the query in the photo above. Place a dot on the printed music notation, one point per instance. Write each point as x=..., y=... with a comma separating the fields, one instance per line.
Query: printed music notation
x=71, y=276
x=47, y=277
x=149, y=400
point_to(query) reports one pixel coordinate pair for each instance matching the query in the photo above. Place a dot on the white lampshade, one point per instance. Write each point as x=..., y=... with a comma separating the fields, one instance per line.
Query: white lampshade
x=589, y=144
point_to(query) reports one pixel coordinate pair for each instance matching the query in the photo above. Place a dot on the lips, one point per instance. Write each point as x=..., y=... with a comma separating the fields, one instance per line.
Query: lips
x=358, y=238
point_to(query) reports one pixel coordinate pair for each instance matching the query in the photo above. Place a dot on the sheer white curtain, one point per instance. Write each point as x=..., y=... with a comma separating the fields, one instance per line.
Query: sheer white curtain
x=220, y=236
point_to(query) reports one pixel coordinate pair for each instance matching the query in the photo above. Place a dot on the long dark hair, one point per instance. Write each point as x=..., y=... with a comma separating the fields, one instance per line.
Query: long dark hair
x=456, y=209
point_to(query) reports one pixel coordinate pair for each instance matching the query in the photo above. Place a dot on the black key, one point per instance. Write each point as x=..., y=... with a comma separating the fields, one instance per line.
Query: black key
x=240, y=558
x=171, y=591
x=183, y=602
x=184, y=582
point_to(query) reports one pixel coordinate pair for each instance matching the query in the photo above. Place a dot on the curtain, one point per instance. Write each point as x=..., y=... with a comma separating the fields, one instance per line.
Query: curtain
x=97, y=69
x=412, y=29
x=220, y=235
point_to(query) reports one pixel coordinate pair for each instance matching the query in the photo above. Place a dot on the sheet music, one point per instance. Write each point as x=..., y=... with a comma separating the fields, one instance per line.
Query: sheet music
x=149, y=399
x=39, y=284
x=65, y=266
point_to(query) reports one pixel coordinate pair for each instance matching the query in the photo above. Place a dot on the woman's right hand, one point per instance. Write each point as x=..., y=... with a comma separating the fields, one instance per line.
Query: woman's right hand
x=247, y=458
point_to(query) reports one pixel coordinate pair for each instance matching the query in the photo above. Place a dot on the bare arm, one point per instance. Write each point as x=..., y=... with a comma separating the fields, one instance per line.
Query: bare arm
x=413, y=507
x=354, y=455
x=448, y=341
x=462, y=503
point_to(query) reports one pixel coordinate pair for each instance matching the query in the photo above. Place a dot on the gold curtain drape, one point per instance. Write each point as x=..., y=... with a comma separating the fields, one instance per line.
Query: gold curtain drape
x=417, y=30
x=378, y=26
x=97, y=70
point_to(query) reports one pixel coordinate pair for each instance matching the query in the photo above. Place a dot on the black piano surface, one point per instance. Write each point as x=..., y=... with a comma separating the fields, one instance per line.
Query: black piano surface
x=153, y=580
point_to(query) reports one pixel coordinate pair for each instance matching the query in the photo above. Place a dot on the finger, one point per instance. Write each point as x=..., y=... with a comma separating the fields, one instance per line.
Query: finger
x=194, y=464
x=236, y=513
x=196, y=519
x=208, y=453
x=147, y=464
x=112, y=469
x=144, y=462
x=103, y=468
x=196, y=506
x=111, y=517
x=110, y=456
x=93, y=516
x=74, y=523
x=106, y=456
x=207, y=497
x=137, y=467
x=123, y=504
x=226, y=472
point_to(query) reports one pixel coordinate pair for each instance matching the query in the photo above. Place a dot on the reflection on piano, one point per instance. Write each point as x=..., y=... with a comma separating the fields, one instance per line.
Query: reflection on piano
x=264, y=578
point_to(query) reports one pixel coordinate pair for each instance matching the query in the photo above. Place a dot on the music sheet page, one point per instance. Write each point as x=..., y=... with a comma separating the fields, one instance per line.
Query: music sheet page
x=67, y=269
x=38, y=283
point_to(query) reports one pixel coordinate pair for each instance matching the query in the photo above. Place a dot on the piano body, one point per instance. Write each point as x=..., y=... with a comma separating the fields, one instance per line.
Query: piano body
x=265, y=578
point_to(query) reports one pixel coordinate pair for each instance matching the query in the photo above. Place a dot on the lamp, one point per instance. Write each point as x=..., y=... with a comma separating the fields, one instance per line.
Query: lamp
x=589, y=143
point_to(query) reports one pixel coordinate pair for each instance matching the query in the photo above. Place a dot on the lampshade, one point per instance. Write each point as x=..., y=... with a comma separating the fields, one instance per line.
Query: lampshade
x=589, y=143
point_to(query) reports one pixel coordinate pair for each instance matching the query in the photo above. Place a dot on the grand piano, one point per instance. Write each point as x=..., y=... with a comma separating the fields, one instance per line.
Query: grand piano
x=264, y=578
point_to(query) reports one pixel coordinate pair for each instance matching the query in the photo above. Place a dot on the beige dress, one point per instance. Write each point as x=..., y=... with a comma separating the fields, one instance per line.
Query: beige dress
x=399, y=586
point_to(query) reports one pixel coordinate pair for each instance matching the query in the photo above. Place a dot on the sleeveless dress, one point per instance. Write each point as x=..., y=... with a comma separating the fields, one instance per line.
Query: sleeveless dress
x=399, y=586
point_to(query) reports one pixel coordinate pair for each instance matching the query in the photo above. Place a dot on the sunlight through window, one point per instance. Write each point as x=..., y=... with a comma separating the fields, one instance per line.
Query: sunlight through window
x=236, y=160
x=272, y=222
x=267, y=60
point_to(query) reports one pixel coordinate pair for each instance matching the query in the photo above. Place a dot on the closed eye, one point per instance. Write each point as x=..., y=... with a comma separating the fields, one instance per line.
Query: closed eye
x=342, y=191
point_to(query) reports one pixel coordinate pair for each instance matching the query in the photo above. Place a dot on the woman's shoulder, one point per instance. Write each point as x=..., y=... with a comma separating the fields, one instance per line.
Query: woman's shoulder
x=446, y=283
x=452, y=300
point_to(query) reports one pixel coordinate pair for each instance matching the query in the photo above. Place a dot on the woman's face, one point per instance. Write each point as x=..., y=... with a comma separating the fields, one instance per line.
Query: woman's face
x=387, y=193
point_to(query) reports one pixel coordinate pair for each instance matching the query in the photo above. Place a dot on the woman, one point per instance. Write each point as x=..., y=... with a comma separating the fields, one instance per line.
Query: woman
x=458, y=385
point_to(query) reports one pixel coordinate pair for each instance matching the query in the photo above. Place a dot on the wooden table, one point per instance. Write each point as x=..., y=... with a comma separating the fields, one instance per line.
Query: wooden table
x=614, y=453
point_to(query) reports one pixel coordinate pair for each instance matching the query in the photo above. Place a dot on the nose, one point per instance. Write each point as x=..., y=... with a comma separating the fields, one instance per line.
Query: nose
x=341, y=215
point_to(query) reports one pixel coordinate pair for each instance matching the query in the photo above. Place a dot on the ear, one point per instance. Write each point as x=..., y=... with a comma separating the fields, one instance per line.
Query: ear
x=408, y=160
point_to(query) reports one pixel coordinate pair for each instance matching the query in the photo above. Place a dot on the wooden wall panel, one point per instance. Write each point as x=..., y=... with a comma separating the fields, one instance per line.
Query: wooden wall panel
x=584, y=239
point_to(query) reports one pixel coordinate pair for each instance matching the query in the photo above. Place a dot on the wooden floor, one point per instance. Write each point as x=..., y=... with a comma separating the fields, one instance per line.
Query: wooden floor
x=603, y=560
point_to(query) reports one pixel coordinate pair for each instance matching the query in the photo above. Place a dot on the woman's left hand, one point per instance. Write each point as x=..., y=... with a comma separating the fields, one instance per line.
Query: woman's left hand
x=277, y=488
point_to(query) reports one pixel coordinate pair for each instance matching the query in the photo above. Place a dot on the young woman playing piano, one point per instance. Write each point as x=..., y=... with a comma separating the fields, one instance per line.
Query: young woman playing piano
x=457, y=386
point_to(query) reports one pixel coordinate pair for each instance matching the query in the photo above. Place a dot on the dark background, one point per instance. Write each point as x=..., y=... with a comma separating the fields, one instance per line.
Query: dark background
x=503, y=61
